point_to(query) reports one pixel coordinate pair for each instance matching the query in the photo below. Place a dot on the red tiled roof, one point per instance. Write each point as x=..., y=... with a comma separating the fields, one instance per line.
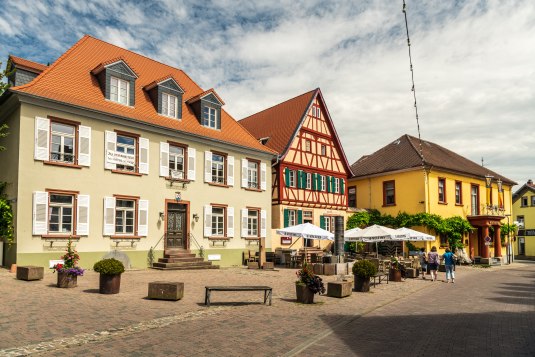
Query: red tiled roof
x=203, y=94
x=279, y=122
x=404, y=153
x=27, y=64
x=69, y=80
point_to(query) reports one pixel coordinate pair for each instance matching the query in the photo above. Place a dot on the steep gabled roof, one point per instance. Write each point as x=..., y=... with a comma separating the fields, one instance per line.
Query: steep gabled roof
x=27, y=64
x=280, y=122
x=404, y=153
x=527, y=187
x=69, y=80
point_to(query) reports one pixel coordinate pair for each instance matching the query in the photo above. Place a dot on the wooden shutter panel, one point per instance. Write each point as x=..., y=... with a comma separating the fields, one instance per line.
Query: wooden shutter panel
x=40, y=213
x=164, y=159
x=207, y=220
x=263, y=223
x=328, y=183
x=208, y=169
x=144, y=156
x=84, y=145
x=299, y=178
x=42, y=139
x=322, y=222
x=342, y=186
x=287, y=177
x=230, y=222
x=263, y=174
x=244, y=212
x=230, y=170
x=109, y=216
x=110, y=145
x=299, y=216
x=244, y=164
x=82, y=215
x=191, y=163
x=143, y=218
x=286, y=218
x=314, y=182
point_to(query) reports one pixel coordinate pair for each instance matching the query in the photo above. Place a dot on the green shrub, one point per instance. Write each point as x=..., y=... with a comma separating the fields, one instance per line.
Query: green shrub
x=109, y=267
x=364, y=268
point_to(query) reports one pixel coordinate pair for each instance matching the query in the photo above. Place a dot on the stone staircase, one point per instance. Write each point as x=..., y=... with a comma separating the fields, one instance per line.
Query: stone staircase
x=180, y=259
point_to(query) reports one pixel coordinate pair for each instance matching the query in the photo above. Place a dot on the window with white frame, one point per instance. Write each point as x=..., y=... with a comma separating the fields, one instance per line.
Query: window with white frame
x=520, y=220
x=458, y=193
x=309, y=180
x=119, y=90
x=218, y=168
x=127, y=146
x=176, y=162
x=323, y=183
x=291, y=178
x=308, y=145
x=441, y=190
x=252, y=174
x=125, y=213
x=308, y=217
x=533, y=200
x=292, y=217
x=169, y=105
x=323, y=150
x=336, y=184
x=329, y=223
x=252, y=223
x=63, y=138
x=60, y=213
x=218, y=221
x=209, y=117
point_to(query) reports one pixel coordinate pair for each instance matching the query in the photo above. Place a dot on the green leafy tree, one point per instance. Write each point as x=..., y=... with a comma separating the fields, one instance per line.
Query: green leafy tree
x=6, y=212
x=3, y=86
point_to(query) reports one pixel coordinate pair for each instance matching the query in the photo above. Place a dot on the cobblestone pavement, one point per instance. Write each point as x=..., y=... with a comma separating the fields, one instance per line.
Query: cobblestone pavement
x=486, y=312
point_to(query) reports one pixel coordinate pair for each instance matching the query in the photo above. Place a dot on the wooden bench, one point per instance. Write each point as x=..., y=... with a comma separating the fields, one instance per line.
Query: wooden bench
x=380, y=276
x=268, y=291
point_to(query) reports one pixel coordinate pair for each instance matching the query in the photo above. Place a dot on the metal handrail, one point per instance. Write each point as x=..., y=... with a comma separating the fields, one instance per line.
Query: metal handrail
x=200, y=247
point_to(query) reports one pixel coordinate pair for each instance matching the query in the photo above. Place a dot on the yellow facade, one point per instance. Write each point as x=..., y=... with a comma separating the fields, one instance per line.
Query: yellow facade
x=524, y=218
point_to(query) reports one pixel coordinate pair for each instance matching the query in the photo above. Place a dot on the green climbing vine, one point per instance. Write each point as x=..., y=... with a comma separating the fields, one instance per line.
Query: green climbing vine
x=454, y=228
x=6, y=217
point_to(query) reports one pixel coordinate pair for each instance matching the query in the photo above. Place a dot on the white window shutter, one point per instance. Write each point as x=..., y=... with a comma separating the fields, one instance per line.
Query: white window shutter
x=207, y=166
x=191, y=163
x=244, y=164
x=42, y=139
x=244, y=213
x=40, y=213
x=230, y=222
x=143, y=218
x=230, y=170
x=263, y=173
x=207, y=221
x=263, y=222
x=84, y=145
x=110, y=145
x=82, y=215
x=144, y=156
x=109, y=216
x=164, y=159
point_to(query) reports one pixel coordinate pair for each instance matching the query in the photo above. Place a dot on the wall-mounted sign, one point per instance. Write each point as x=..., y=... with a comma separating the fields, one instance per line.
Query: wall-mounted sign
x=120, y=158
x=178, y=196
x=286, y=240
x=488, y=239
x=212, y=257
x=529, y=232
x=51, y=263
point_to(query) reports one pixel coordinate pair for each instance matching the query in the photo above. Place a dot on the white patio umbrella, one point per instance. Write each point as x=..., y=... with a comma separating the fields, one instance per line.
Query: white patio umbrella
x=374, y=234
x=306, y=231
x=416, y=235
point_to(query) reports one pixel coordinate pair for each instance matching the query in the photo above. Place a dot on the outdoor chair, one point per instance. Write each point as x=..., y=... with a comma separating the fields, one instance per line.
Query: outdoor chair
x=287, y=260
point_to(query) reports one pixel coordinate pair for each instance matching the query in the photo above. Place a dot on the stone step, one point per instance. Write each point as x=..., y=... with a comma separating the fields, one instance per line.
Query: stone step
x=174, y=251
x=184, y=264
x=179, y=256
x=180, y=260
x=195, y=267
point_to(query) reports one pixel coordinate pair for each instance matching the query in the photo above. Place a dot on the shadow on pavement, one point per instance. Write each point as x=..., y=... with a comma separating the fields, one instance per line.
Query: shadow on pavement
x=92, y=291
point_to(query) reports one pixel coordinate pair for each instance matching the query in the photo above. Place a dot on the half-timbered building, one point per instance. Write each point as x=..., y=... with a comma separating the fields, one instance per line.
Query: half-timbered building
x=310, y=173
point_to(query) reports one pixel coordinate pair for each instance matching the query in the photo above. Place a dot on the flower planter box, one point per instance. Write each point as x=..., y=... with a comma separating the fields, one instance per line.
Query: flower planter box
x=411, y=273
x=30, y=272
x=109, y=284
x=362, y=284
x=339, y=289
x=394, y=275
x=304, y=294
x=65, y=280
x=166, y=290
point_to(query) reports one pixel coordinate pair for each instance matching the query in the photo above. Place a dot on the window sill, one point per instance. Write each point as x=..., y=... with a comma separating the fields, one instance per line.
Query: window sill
x=60, y=236
x=251, y=238
x=125, y=237
x=218, y=184
x=62, y=164
x=178, y=180
x=252, y=189
x=390, y=205
x=443, y=203
x=126, y=172
x=219, y=238
x=459, y=204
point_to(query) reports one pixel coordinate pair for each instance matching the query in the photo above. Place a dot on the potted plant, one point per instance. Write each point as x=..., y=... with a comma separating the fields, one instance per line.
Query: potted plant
x=69, y=271
x=395, y=270
x=308, y=284
x=110, y=275
x=363, y=270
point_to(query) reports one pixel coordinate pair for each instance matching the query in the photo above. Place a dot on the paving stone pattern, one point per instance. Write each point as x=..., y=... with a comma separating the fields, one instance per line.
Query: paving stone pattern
x=487, y=312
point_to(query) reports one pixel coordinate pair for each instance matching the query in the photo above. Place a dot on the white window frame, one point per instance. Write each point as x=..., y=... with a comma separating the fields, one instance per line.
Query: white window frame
x=209, y=117
x=309, y=180
x=121, y=84
x=218, y=219
x=123, y=211
x=458, y=193
x=253, y=174
x=292, y=178
x=218, y=166
x=168, y=109
x=292, y=217
x=520, y=220
x=442, y=190
x=60, y=215
x=336, y=185
x=323, y=183
x=176, y=156
x=329, y=223
x=62, y=136
x=125, y=147
x=253, y=223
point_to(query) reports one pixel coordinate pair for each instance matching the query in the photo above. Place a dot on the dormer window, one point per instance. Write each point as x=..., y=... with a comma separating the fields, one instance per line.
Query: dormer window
x=169, y=105
x=166, y=96
x=209, y=117
x=117, y=81
x=119, y=90
x=207, y=109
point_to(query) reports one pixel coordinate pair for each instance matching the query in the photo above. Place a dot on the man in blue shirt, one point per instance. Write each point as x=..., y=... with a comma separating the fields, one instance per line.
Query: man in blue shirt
x=449, y=261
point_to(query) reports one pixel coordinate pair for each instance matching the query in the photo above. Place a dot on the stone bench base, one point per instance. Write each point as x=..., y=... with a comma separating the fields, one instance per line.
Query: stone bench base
x=329, y=269
x=30, y=272
x=268, y=266
x=339, y=289
x=165, y=290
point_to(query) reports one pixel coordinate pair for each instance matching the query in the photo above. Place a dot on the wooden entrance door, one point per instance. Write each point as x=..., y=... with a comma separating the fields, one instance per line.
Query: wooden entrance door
x=177, y=230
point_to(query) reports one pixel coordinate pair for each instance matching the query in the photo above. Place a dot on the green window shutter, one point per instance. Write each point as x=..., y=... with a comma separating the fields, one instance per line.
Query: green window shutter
x=286, y=218
x=304, y=182
x=287, y=177
x=299, y=216
x=318, y=182
x=341, y=185
x=300, y=179
x=330, y=184
x=333, y=184
x=322, y=222
x=314, y=183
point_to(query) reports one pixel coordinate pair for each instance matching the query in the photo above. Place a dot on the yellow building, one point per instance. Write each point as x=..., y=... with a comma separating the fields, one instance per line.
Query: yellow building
x=524, y=217
x=117, y=151
x=397, y=179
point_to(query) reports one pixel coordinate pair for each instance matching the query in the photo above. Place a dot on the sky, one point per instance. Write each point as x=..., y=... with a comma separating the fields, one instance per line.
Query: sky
x=474, y=62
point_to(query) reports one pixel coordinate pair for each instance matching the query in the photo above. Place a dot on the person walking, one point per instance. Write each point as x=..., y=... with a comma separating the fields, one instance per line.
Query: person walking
x=449, y=261
x=433, y=259
x=423, y=261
